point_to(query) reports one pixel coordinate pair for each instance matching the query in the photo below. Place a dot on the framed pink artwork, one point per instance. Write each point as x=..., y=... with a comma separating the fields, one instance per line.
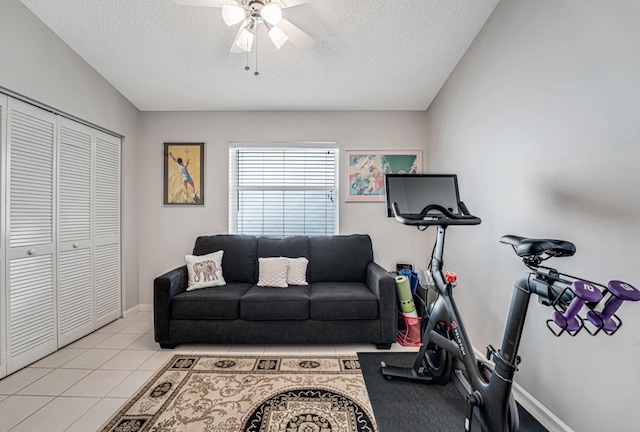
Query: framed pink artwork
x=365, y=170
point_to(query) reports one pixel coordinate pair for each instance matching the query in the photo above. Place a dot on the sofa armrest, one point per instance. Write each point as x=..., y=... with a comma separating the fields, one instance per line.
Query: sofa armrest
x=166, y=287
x=383, y=285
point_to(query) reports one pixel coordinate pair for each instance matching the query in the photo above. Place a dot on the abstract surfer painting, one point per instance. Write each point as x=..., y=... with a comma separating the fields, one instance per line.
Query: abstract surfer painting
x=365, y=171
x=183, y=174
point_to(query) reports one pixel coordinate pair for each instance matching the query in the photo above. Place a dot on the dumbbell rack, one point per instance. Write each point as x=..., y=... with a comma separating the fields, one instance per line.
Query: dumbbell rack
x=597, y=320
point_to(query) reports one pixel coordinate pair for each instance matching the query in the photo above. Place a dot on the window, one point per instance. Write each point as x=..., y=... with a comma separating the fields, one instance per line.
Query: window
x=283, y=191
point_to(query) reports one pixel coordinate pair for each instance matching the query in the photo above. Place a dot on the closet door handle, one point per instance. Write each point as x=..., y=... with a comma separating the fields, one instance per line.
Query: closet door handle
x=31, y=252
x=76, y=245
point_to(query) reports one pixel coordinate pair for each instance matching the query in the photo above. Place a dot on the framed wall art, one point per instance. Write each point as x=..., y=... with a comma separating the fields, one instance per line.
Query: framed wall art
x=183, y=167
x=365, y=170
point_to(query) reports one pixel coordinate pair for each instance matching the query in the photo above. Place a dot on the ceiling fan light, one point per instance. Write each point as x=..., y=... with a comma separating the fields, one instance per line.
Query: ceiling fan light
x=244, y=40
x=232, y=14
x=271, y=13
x=277, y=37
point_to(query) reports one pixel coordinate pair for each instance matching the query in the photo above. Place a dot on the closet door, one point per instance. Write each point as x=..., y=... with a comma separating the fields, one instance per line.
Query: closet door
x=108, y=303
x=30, y=259
x=75, y=266
x=3, y=206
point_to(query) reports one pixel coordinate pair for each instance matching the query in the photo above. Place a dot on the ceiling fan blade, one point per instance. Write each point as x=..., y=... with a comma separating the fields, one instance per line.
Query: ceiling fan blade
x=291, y=3
x=236, y=49
x=205, y=3
x=295, y=35
x=277, y=36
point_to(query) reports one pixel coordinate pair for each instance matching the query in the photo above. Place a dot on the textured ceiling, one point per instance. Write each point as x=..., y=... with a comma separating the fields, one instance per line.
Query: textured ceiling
x=368, y=54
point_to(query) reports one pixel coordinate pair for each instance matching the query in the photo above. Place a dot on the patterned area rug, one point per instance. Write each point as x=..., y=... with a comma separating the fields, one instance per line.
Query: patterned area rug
x=252, y=394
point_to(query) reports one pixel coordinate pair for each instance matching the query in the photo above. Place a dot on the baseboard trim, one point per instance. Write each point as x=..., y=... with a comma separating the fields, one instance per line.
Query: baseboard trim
x=540, y=412
x=131, y=311
x=137, y=308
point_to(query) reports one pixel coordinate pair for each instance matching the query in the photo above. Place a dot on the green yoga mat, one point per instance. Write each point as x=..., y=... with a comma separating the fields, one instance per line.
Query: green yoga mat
x=403, y=287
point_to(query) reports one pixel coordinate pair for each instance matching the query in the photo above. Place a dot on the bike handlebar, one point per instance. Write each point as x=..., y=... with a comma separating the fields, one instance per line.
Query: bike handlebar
x=444, y=219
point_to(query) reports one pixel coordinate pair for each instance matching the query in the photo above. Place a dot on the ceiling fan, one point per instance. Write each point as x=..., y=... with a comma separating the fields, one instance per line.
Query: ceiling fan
x=252, y=13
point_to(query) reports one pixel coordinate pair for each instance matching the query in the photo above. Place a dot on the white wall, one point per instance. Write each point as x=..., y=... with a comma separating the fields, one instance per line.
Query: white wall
x=166, y=234
x=35, y=63
x=541, y=120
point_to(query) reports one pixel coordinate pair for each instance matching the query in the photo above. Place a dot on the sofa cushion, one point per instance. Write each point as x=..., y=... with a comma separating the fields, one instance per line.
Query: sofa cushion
x=342, y=301
x=239, y=263
x=264, y=303
x=210, y=303
x=339, y=258
x=292, y=247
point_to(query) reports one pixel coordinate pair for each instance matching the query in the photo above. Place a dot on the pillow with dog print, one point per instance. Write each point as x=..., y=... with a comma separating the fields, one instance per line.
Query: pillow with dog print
x=205, y=270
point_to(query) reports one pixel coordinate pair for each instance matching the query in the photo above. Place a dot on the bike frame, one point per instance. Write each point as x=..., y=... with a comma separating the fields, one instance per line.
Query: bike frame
x=490, y=398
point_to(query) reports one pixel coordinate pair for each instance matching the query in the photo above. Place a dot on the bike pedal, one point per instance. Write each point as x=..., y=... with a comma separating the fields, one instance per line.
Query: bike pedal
x=473, y=399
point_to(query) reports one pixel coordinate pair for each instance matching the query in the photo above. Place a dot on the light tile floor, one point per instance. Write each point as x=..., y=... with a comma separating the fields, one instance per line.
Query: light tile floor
x=79, y=387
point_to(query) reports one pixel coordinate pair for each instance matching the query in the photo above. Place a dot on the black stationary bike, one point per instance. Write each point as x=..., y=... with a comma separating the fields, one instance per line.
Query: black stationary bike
x=446, y=348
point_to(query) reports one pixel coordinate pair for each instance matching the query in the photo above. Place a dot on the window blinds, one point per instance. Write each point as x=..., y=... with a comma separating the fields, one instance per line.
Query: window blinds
x=283, y=191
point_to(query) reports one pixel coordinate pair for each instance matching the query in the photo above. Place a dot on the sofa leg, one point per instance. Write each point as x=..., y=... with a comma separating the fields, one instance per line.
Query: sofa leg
x=384, y=346
x=167, y=345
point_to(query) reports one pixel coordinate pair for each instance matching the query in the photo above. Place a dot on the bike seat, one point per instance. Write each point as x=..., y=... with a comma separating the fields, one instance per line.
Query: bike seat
x=530, y=247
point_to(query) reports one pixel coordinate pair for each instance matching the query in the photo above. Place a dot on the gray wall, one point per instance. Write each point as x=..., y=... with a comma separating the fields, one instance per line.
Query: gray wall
x=541, y=120
x=34, y=62
x=166, y=234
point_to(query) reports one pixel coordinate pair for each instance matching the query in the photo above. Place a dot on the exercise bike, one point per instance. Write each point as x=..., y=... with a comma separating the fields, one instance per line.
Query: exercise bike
x=446, y=349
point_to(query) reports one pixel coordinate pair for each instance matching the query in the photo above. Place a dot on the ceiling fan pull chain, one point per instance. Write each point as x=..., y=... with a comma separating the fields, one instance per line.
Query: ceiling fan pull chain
x=256, y=73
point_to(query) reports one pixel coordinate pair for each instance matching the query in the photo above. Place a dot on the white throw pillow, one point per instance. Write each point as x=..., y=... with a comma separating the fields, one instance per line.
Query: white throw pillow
x=297, y=273
x=272, y=272
x=205, y=270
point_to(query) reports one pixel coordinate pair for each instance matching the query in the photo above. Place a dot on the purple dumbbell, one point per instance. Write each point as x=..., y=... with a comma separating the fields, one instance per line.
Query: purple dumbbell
x=585, y=292
x=620, y=291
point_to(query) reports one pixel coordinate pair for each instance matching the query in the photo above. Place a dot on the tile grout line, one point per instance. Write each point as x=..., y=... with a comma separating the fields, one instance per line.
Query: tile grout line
x=144, y=321
x=53, y=399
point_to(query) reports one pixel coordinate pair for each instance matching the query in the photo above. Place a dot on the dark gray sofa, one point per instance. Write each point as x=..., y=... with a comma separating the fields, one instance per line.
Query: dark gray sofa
x=349, y=299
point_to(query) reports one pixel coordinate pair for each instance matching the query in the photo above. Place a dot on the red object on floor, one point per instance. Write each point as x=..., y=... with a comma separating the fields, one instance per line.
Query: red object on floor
x=409, y=331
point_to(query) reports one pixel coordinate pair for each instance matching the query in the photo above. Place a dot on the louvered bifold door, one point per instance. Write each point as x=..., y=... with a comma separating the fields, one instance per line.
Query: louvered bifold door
x=30, y=267
x=75, y=267
x=108, y=304
x=3, y=206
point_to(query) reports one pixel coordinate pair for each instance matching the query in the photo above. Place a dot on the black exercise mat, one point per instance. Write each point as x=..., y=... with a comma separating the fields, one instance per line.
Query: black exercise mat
x=408, y=406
